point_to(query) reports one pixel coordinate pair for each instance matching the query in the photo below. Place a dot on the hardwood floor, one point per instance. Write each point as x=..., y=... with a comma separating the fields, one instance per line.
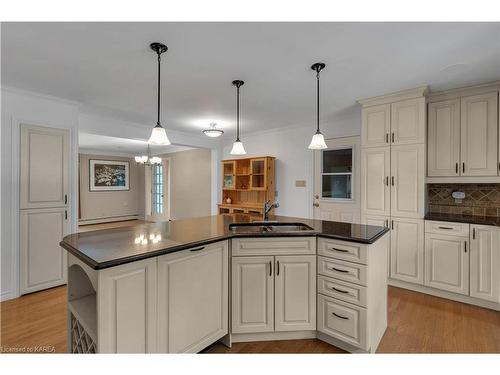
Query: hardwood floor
x=418, y=323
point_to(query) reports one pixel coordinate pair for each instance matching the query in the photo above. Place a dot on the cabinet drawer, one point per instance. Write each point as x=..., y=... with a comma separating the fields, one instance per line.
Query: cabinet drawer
x=342, y=250
x=274, y=246
x=338, y=269
x=342, y=290
x=343, y=321
x=446, y=227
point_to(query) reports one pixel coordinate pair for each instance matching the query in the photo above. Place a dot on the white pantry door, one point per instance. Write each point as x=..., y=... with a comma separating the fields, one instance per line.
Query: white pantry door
x=337, y=180
x=157, y=184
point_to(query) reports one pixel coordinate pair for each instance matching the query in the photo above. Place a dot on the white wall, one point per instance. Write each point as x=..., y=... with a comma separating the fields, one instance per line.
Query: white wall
x=294, y=161
x=21, y=107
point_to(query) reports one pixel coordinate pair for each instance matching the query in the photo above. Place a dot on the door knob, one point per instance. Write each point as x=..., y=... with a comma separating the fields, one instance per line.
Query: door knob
x=316, y=196
x=316, y=204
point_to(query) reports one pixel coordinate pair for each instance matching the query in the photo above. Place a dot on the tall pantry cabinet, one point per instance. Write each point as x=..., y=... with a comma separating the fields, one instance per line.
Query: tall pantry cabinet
x=393, y=160
x=43, y=204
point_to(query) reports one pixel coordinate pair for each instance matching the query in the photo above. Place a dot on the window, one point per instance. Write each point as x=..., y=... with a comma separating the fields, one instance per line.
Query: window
x=336, y=174
x=157, y=189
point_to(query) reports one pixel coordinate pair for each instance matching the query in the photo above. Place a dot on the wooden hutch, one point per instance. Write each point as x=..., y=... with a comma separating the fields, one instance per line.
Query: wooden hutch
x=249, y=183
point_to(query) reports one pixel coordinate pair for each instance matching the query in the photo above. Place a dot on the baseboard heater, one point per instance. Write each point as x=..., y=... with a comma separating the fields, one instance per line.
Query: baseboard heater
x=107, y=219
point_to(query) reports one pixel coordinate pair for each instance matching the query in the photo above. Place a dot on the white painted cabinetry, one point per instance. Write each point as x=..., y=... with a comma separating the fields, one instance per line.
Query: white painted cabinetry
x=407, y=250
x=485, y=263
x=443, y=147
x=43, y=203
x=375, y=181
x=376, y=126
x=463, y=136
x=252, y=294
x=447, y=262
x=43, y=262
x=408, y=123
x=295, y=293
x=126, y=303
x=193, y=298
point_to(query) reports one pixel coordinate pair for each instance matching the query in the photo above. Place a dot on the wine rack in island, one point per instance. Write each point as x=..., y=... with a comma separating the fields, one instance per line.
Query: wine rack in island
x=247, y=184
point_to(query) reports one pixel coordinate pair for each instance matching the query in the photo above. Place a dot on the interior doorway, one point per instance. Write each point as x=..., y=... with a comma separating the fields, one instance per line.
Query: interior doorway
x=157, y=184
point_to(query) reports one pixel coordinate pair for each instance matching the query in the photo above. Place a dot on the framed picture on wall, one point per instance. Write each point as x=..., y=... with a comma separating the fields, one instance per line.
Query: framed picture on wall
x=108, y=175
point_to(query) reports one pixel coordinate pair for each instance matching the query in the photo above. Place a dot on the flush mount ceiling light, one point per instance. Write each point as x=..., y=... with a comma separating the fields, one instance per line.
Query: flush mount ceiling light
x=212, y=131
x=159, y=135
x=238, y=148
x=147, y=159
x=317, y=141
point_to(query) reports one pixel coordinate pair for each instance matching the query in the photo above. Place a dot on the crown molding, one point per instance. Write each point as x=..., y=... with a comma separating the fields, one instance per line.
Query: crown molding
x=414, y=93
x=455, y=93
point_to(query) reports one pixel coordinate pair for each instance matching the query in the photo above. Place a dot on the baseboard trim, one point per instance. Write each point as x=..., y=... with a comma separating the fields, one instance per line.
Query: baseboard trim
x=271, y=336
x=5, y=296
x=107, y=220
x=443, y=294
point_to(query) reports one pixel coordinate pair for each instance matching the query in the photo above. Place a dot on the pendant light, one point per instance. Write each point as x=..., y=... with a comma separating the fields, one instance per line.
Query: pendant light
x=238, y=148
x=212, y=131
x=318, y=141
x=159, y=135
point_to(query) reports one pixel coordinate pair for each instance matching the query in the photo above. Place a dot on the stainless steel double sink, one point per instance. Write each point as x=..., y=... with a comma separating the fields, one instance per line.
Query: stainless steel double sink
x=269, y=227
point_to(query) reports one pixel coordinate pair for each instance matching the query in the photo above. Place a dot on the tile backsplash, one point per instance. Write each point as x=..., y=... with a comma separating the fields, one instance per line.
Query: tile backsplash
x=480, y=199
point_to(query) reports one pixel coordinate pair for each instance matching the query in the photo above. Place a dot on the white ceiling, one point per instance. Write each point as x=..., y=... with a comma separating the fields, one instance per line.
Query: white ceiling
x=109, y=66
x=113, y=145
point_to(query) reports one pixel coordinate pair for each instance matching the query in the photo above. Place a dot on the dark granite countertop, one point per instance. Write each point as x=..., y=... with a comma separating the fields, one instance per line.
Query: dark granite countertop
x=111, y=247
x=469, y=219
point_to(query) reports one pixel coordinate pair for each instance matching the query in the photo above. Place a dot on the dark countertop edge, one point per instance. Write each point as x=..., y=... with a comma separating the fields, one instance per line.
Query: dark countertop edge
x=99, y=266
x=466, y=219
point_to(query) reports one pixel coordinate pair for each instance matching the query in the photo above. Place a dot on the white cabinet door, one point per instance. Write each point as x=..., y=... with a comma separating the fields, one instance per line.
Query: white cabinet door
x=43, y=261
x=447, y=263
x=193, y=298
x=407, y=250
x=126, y=306
x=443, y=146
x=375, y=125
x=381, y=221
x=407, y=180
x=295, y=293
x=43, y=167
x=252, y=294
x=485, y=263
x=479, y=135
x=408, y=122
x=375, y=172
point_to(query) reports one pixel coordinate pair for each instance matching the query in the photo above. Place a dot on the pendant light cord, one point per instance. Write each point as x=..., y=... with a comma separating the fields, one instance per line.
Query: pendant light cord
x=159, y=60
x=237, y=113
x=317, y=100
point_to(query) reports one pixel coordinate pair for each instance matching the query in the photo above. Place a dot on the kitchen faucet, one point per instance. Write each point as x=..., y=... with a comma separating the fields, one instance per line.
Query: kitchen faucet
x=268, y=206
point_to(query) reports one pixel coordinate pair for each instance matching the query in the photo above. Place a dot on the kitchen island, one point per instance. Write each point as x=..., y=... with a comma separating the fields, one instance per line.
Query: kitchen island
x=179, y=286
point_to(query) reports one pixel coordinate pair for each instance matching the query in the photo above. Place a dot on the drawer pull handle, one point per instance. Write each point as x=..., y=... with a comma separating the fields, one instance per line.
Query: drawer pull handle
x=340, y=316
x=198, y=248
x=445, y=228
x=336, y=269
x=340, y=290
x=270, y=268
x=341, y=250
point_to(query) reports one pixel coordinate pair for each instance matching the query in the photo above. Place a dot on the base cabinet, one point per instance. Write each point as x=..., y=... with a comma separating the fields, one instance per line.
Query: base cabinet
x=407, y=250
x=485, y=263
x=447, y=263
x=192, y=298
x=273, y=293
x=126, y=304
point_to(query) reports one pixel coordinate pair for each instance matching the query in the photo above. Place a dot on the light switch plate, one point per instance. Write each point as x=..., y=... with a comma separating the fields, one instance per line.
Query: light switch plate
x=300, y=183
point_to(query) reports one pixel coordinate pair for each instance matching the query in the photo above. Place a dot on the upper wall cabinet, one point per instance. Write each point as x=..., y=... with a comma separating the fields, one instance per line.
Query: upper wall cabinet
x=408, y=122
x=44, y=167
x=463, y=135
x=479, y=135
x=376, y=126
x=443, y=147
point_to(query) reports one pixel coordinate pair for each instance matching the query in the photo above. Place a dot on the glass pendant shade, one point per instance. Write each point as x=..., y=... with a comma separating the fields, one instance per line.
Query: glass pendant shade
x=318, y=142
x=155, y=160
x=159, y=136
x=238, y=148
x=213, y=131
